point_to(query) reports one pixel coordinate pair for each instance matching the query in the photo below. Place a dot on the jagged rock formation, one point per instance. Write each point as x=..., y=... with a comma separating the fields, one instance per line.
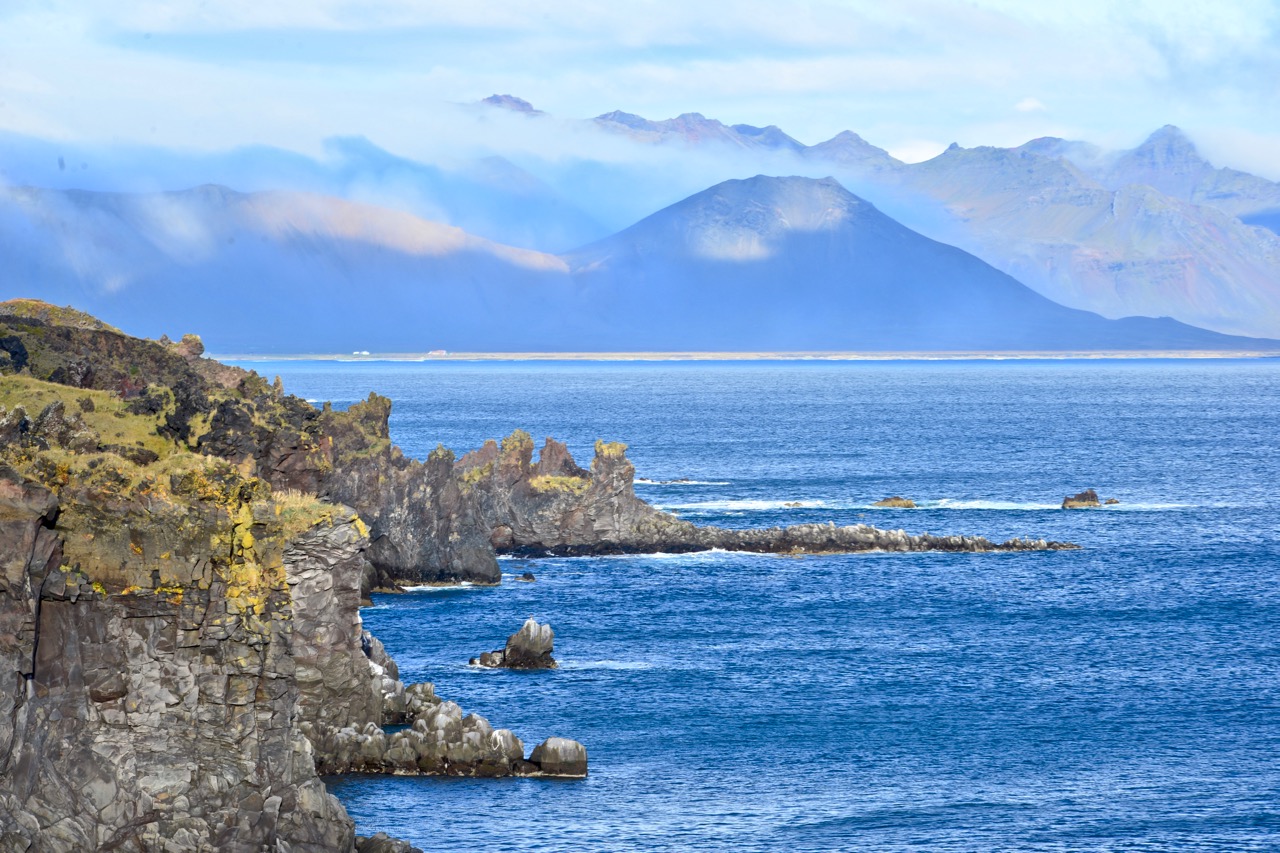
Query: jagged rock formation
x=896, y=502
x=555, y=508
x=528, y=648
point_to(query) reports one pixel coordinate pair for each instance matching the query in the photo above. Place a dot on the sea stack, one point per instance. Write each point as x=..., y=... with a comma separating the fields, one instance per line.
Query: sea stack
x=528, y=648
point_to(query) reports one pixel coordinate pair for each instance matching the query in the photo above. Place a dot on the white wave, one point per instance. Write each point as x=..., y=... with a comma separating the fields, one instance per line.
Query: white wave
x=736, y=505
x=1014, y=506
x=437, y=587
x=1032, y=506
x=605, y=664
x=644, y=481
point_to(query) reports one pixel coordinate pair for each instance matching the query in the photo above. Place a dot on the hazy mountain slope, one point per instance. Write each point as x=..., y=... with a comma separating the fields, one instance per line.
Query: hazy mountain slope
x=762, y=264
x=805, y=265
x=1127, y=251
x=490, y=196
x=276, y=272
x=1169, y=162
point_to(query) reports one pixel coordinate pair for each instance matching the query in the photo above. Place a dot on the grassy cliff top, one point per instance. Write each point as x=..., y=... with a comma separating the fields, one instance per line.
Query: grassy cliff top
x=53, y=315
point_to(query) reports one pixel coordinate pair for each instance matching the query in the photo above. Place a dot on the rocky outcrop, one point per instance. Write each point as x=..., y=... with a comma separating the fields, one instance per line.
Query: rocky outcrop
x=439, y=741
x=896, y=502
x=1088, y=499
x=528, y=648
x=600, y=514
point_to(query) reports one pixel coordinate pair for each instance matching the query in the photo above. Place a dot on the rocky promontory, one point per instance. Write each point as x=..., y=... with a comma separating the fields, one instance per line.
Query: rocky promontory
x=179, y=614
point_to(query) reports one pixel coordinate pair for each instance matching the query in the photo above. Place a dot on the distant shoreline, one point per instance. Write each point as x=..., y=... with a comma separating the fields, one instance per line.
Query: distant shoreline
x=753, y=356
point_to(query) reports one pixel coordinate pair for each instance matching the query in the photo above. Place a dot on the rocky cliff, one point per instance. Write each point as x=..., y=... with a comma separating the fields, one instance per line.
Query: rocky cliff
x=181, y=649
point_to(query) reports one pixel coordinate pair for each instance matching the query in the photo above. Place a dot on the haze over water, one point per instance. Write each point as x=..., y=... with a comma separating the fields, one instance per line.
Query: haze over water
x=1120, y=697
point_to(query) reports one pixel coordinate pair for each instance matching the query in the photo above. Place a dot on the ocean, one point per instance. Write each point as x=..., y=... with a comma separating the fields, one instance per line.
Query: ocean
x=1125, y=696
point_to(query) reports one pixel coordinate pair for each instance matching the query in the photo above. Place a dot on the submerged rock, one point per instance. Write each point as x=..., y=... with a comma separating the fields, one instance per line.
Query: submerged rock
x=896, y=502
x=528, y=648
x=1110, y=502
x=527, y=577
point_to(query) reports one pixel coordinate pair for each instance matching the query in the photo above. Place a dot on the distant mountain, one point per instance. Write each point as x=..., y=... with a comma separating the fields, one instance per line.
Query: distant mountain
x=694, y=128
x=1132, y=250
x=803, y=264
x=1170, y=163
x=1155, y=231
x=511, y=102
x=849, y=149
x=276, y=271
x=758, y=264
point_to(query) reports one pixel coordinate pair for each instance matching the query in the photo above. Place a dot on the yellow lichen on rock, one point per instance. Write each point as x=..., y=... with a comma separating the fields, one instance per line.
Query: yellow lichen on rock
x=572, y=485
x=610, y=449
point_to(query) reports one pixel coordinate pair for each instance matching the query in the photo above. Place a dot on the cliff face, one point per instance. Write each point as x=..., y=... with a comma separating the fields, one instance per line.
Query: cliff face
x=151, y=699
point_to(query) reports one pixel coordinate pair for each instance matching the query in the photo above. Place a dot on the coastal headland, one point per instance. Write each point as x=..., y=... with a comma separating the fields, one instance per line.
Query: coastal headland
x=184, y=551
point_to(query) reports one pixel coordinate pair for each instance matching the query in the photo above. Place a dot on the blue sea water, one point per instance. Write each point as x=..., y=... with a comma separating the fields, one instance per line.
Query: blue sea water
x=1125, y=696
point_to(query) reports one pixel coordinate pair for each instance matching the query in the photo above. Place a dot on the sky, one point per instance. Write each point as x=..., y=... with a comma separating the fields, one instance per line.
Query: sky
x=910, y=76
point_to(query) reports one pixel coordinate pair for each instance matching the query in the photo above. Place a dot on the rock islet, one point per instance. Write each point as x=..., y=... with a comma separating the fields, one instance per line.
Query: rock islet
x=528, y=648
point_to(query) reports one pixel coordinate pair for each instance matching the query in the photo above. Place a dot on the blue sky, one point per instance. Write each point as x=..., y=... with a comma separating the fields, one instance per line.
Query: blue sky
x=909, y=76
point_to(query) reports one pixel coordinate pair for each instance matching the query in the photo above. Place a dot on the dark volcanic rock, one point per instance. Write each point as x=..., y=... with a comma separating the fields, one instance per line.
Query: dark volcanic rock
x=1087, y=499
x=528, y=648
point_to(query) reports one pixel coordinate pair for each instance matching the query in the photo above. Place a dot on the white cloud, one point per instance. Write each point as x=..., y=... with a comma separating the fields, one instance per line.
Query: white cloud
x=896, y=73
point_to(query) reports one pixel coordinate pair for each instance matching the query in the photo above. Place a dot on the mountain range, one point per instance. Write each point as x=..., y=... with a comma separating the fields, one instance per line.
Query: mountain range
x=766, y=263
x=545, y=252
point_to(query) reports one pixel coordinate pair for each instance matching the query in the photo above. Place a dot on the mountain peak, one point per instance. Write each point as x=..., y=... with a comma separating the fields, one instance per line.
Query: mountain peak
x=511, y=102
x=850, y=149
x=1169, y=141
